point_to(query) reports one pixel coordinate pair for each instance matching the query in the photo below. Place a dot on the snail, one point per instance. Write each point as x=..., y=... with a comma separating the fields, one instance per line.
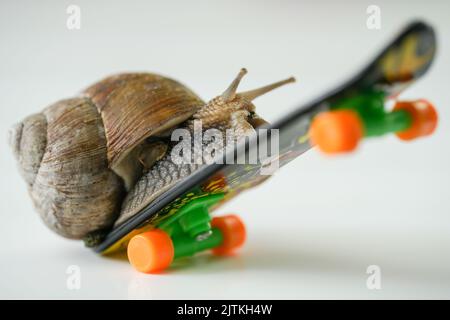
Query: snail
x=93, y=161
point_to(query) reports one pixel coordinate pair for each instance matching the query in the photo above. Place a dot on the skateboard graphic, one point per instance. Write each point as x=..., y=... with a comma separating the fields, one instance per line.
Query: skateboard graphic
x=178, y=223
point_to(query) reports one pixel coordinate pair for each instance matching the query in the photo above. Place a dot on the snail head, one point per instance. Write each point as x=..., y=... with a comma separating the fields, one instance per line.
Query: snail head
x=235, y=110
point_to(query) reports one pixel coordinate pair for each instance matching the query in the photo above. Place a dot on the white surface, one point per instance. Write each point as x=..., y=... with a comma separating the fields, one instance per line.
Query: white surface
x=317, y=225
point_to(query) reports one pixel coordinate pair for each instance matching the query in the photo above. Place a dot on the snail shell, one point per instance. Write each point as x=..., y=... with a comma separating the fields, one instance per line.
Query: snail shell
x=78, y=156
x=88, y=159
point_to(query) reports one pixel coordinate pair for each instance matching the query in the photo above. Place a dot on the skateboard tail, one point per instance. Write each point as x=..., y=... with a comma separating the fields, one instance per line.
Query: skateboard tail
x=360, y=112
x=178, y=223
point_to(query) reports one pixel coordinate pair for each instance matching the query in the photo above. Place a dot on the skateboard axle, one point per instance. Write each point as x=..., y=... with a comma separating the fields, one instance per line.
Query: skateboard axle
x=186, y=233
x=351, y=119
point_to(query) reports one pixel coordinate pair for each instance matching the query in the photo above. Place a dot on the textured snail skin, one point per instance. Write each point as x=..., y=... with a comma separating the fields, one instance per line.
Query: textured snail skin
x=163, y=175
x=166, y=173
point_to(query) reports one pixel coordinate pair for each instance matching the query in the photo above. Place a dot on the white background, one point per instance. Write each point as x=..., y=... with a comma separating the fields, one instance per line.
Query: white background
x=316, y=226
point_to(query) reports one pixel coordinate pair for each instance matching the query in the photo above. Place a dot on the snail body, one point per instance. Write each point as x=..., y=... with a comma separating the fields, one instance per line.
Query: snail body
x=95, y=160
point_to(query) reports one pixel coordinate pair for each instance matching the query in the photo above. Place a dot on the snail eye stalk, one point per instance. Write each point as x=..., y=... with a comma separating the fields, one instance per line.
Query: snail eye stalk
x=230, y=93
x=253, y=94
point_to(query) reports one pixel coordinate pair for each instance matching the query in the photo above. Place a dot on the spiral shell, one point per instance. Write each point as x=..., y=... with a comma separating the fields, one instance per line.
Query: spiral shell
x=76, y=156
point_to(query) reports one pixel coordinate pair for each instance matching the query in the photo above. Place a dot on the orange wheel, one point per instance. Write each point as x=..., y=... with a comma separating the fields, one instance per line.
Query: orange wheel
x=424, y=118
x=233, y=232
x=336, y=131
x=151, y=251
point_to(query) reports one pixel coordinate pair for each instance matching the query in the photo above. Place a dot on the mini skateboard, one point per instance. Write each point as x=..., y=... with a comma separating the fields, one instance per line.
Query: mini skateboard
x=178, y=223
